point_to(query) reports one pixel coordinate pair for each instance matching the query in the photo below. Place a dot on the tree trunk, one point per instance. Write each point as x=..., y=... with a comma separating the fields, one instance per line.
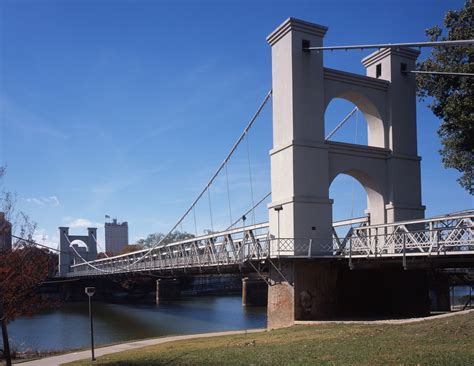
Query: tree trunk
x=6, y=343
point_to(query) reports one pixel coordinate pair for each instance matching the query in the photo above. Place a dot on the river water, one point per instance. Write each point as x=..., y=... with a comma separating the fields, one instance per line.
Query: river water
x=67, y=327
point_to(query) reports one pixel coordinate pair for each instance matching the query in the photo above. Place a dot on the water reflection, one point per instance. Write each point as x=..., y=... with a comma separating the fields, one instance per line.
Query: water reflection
x=68, y=328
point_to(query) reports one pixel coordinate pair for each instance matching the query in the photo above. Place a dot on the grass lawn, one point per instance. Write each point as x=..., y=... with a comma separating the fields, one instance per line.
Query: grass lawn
x=448, y=341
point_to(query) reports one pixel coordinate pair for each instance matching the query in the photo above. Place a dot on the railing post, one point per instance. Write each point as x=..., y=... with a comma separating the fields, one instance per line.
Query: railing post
x=376, y=243
x=404, y=251
x=438, y=232
x=350, y=254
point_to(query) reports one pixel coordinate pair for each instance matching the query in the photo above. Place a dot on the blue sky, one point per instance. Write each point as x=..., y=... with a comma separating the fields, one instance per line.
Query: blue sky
x=127, y=107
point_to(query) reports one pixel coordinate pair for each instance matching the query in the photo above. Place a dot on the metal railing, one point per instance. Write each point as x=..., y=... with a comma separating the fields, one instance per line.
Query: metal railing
x=447, y=235
x=228, y=248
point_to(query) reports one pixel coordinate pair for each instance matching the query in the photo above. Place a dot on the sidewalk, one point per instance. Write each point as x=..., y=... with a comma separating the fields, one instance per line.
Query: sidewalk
x=386, y=321
x=81, y=355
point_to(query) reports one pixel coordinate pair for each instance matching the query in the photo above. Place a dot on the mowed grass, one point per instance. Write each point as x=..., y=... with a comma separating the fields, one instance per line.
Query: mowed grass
x=448, y=341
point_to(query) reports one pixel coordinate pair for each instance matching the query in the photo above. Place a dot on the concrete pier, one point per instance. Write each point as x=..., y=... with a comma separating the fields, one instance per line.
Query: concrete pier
x=167, y=289
x=316, y=290
x=254, y=292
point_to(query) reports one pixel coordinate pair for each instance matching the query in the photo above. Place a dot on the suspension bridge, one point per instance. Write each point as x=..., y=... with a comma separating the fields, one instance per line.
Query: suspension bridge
x=316, y=268
x=251, y=246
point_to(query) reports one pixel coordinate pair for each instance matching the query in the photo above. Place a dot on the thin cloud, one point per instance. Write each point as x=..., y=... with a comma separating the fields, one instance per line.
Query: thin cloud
x=36, y=201
x=83, y=223
x=51, y=201
x=54, y=200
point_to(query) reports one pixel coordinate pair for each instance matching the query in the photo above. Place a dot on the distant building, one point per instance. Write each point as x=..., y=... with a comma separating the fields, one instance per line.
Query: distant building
x=5, y=234
x=116, y=236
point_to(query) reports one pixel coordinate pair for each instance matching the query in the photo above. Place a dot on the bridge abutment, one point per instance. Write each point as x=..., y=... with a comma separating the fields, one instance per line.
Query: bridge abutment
x=254, y=291
x=316, y=290
x=167, y=289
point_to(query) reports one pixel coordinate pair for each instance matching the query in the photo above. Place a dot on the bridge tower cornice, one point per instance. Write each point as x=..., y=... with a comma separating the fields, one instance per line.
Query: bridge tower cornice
x=294, y=24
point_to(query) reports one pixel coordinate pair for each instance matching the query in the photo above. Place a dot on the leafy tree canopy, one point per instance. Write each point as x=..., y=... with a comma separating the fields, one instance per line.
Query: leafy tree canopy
x=453, y=96
x=154, y=239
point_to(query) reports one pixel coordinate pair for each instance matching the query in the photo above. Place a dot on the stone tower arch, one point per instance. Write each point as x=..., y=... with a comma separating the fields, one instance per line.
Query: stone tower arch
x=373, y=188
x=68, y=255
x=372, y=107
x=303, y=163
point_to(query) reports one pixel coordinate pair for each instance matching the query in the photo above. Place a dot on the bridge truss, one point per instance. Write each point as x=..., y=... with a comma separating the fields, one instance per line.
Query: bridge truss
x=450, y=235
x=229, y=251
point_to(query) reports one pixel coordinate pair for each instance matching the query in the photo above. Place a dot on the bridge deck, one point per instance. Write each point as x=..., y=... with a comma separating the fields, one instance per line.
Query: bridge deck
x=249, y=248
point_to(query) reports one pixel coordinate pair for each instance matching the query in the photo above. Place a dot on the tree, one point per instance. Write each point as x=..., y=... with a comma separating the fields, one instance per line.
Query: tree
x=154, y=239
x=103, y=255
x=22, y=270
x=453, y=96
x=129, y=248
x=23, y=267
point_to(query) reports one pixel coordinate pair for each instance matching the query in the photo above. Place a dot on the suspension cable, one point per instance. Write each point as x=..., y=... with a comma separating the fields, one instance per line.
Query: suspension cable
x=353, y=180
x=221, y=166
x=36, y=243
x=338, y=127
x=97, y=244
x=443, y=73
x=246, y=213
x=461, y=42
x=105, y=271
x=82, y=258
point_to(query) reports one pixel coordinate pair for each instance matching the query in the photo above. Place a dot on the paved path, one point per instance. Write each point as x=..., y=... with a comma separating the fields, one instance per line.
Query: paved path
x=387, y=321
x=81, y=355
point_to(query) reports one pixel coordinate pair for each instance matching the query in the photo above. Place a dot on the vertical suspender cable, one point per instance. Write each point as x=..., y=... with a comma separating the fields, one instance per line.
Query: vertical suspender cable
x=97, y=244
x=228, y=193
x=195, y=224
x=250, y=178
x=203, y=191
x=210, y=207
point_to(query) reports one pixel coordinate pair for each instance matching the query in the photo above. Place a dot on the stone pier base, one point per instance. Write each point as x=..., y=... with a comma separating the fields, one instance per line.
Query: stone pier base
x=167, y=289
x=314, y=290
x=254, y=292
x=281, y=296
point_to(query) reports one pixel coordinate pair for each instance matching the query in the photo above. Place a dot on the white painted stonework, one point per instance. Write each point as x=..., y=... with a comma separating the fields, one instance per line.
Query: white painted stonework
x=303, y=163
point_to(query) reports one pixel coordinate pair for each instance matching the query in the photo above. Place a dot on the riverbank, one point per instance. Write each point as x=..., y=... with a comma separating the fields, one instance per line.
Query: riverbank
x=439, y=340
x=118, y=348
x=66, y=329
